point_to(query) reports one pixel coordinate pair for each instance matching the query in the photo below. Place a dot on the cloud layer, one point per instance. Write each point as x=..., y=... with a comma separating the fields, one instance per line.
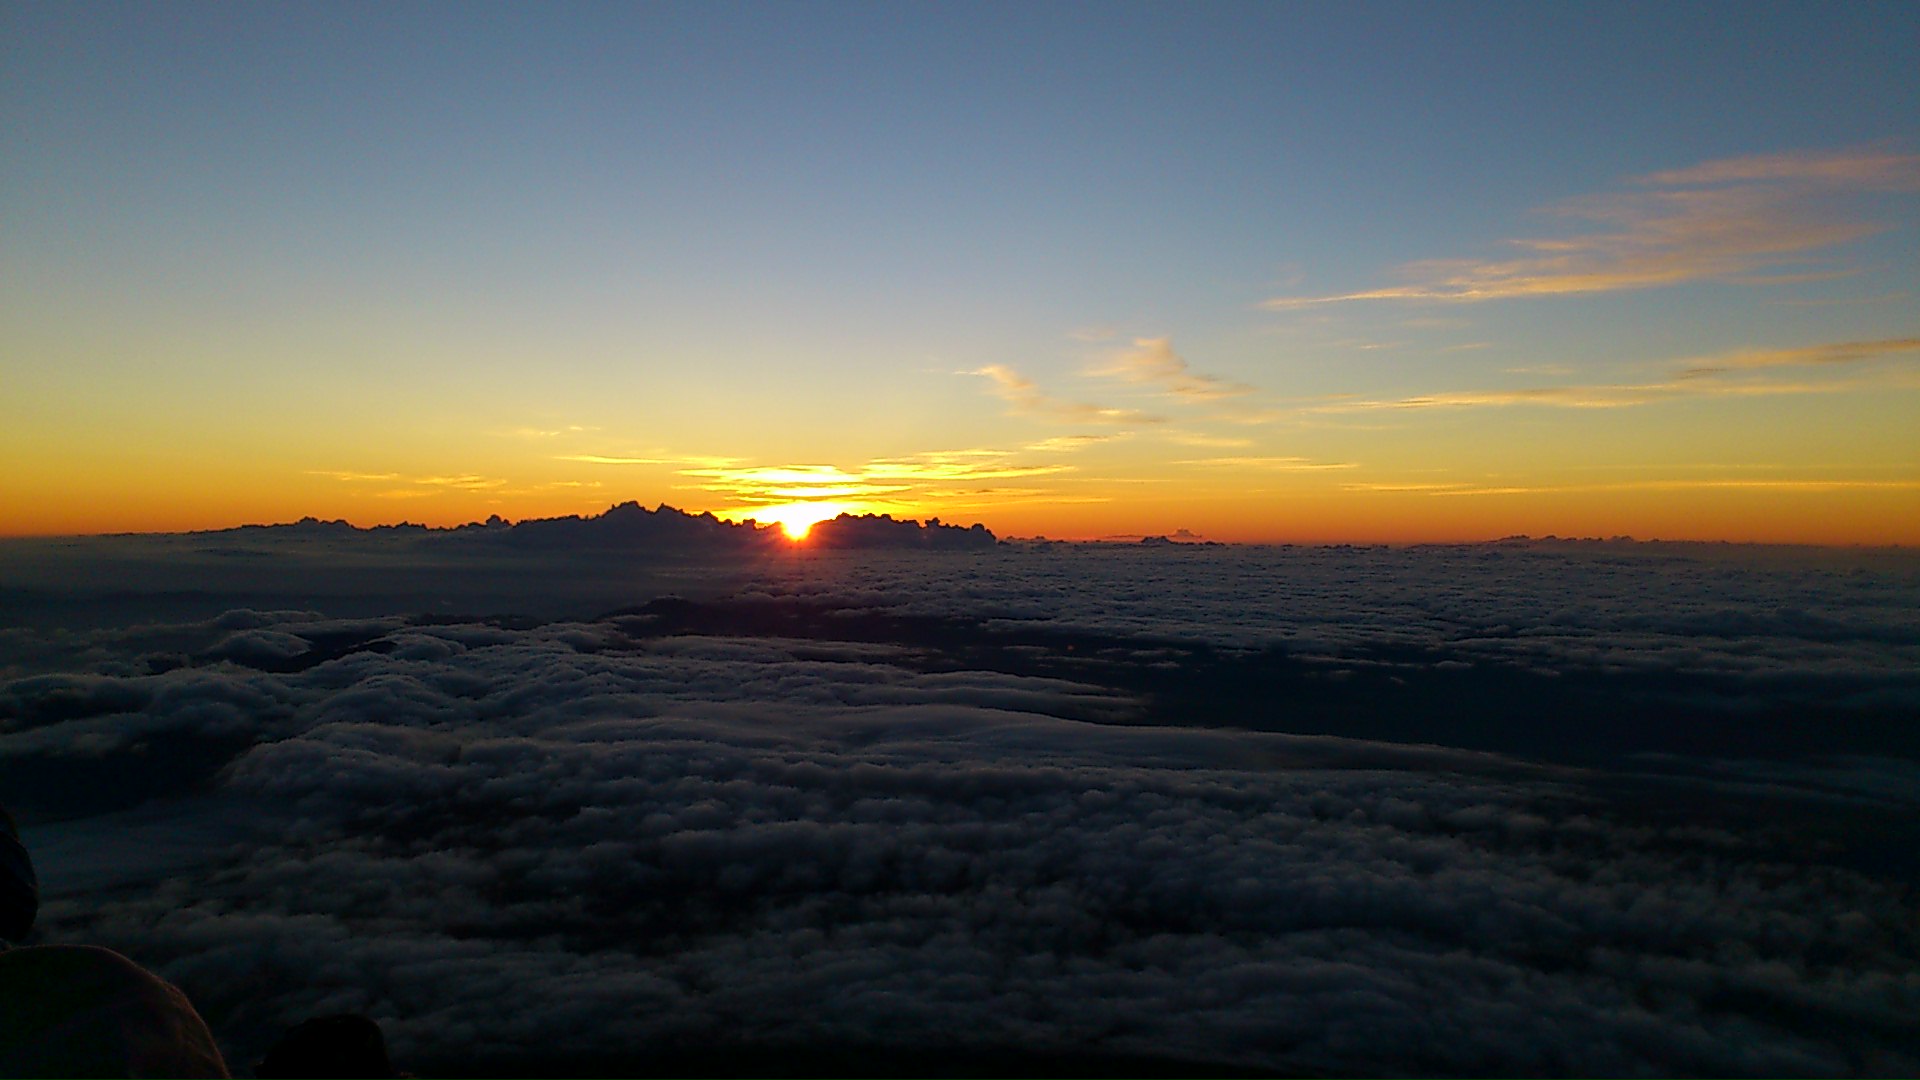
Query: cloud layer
x=833, y=819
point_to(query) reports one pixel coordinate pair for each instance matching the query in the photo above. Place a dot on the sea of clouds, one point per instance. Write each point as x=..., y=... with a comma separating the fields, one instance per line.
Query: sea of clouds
x=597, y=835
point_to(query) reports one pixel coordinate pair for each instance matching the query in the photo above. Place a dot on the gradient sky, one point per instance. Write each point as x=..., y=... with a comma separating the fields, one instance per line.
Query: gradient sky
x=1264, y=272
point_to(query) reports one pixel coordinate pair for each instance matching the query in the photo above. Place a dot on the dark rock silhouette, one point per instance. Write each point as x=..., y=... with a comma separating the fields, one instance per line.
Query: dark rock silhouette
x=19, y=889
x=630, y=525
x=80, y=1010
x=345, y=1045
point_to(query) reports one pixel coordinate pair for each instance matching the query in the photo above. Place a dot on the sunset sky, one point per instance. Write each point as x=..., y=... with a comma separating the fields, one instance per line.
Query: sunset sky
x=1270, y=272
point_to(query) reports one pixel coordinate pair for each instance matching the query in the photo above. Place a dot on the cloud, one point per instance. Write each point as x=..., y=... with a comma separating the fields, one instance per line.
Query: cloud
x=924, y=475
x=1195, y=438
x=1574, y=397
x=418, y=486
x=702, y=461
x=1842, y=352
x=346, y=476
x=1062, y=444
x=547, y=433
x=1270, y=464
x=1027, y=398
x=1693, y=377
x=964, y=465
x=873, y=802
x=464, y=482
x=605, y=459
x=1737, y=220
x=1153, y=362
x=1803, y=484
x=1864, y=168
x=1423, y=487
x=626, y=846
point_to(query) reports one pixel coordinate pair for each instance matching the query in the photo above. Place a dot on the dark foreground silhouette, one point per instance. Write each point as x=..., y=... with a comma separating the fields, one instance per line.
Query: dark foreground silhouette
x=346, y=1045
x=81, y=1010
x=19, y=888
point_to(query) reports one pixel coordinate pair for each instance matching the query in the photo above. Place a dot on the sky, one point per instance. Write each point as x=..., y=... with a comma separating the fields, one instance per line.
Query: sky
x=1302, y=272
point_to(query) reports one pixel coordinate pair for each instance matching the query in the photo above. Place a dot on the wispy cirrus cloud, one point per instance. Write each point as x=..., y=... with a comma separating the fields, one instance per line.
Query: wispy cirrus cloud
x=1721, y=375
x=1595, y=396
x=1759, y=219
x=963, y=465
x=417, y=484
x=1840, y=352
x=547, y=433
x=1270, y=464
x=1153, y=362
x=701, y=461
x=1196, y=438
x=1064, y=444
x=351, y=477
x=1027, y=398
x=787, y=483
x=890, y=481
x=903, y=483
x=463, y=482
x=1864, y=167
x=1785, y=484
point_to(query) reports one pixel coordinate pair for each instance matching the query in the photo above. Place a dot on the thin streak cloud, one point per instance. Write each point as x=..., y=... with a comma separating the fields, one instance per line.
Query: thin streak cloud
x=881, y=483
x=1784, y=485
x=1724, y=221
x=1860, y=168
x=970, y=466
x=348, y=476
x=1063, y=444
x=1599, y=396
x=547, y=433
x=1696, y=377
x=1844, y=352
x=462, y=482
x=1270, y=464
x=1152, y=362
x=648, y=459
x=1028, y=399
x=1194, y=438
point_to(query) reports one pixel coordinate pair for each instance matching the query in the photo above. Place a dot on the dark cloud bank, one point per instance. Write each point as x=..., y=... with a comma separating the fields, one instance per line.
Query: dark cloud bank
x=1518, y=808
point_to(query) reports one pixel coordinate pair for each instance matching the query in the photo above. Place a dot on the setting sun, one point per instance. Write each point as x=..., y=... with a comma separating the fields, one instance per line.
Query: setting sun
x=799, y=518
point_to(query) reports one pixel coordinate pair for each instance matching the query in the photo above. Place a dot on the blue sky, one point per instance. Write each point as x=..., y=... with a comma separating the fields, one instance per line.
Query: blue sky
x=786, y=234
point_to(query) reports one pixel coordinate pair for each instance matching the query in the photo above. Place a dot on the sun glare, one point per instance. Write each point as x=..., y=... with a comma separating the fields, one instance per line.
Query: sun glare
x=797, y=519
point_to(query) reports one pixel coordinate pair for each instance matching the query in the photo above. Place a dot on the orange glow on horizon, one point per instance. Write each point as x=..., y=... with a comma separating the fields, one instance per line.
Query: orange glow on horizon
x=798, y=519
x=1845, y=510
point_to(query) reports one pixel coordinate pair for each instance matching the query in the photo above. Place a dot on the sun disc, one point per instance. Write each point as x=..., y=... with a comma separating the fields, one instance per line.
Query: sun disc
x=797, y=519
